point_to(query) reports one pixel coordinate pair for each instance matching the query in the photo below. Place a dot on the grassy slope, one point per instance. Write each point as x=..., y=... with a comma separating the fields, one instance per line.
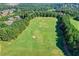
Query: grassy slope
x=75, y=23
x=39, y=38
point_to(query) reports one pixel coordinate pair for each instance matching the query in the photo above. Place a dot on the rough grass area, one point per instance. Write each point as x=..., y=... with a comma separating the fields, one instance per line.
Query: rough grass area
x=39, y=39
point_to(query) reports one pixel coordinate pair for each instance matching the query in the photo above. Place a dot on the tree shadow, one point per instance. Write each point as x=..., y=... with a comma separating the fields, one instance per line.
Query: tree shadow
x=60, y=42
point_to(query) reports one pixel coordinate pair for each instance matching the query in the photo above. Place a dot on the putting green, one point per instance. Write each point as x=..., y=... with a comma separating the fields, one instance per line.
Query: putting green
x=39, y=39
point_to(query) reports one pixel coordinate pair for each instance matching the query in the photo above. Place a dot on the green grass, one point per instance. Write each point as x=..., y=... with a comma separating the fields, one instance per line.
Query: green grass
x=75, y=23
x=39, y=39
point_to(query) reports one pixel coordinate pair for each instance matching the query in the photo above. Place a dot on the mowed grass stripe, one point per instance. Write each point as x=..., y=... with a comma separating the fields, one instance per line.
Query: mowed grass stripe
x=39, y=38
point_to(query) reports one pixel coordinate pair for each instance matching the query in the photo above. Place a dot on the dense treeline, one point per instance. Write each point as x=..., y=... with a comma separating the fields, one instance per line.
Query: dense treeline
x=34, y=6
x=70, y=34
x=12, y=31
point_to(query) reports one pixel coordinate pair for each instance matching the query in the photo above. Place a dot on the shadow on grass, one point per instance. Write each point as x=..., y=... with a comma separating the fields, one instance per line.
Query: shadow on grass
x=60, y=39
